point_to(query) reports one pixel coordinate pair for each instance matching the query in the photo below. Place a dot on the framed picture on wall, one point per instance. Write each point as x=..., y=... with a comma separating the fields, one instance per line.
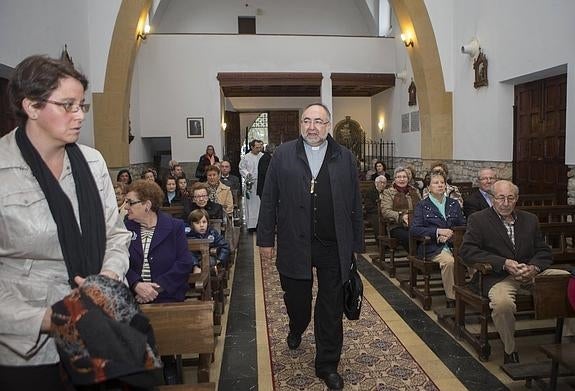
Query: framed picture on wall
x=195, y=127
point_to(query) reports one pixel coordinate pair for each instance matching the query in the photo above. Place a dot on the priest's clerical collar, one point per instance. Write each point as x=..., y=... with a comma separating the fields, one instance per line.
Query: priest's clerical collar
x=318, y=147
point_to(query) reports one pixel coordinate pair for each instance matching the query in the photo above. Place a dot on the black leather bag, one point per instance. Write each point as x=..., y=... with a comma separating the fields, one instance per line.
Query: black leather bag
x=352, y=294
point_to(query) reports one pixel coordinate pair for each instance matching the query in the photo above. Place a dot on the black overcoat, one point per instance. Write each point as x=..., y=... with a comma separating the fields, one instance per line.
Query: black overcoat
x=286, y=206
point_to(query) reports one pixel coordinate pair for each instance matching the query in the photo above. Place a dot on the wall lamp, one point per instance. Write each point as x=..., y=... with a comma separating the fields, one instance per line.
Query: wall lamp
x=407, y=39
x=144, y=34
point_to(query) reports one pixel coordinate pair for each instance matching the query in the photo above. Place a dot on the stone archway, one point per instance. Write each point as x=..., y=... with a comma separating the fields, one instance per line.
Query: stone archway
x=435, y=104
x=112, y=107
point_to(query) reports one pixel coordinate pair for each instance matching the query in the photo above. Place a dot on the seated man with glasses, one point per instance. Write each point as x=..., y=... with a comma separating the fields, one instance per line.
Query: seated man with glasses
x=510, y=241
x=200, y=200
x=480, y=198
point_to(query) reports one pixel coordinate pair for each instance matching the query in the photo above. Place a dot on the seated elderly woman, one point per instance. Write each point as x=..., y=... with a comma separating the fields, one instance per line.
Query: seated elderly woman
x=450, y=190
x=160, y=262
x=217, y=191
x=435, y=216
x=396, y=203
x=200, y=199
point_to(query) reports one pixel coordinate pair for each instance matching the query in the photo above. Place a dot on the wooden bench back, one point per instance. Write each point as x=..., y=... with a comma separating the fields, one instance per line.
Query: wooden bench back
x=176, y=211
x=561, y=238
x=182, y=328
x=550, y=297
x=200, y=283
x=551, y=213
x=537, y=199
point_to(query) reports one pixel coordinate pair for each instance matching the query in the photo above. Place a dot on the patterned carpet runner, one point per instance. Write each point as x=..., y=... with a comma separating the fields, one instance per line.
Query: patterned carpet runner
x=373, y=358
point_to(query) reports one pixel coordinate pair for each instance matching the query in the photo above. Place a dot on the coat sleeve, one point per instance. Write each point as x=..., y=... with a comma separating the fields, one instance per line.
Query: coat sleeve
x=474, y=243
x=183, y=261
x=269, y=203
x=223, y=247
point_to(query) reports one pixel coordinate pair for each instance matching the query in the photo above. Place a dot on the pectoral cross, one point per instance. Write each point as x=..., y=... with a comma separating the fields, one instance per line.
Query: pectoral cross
x=312, y=185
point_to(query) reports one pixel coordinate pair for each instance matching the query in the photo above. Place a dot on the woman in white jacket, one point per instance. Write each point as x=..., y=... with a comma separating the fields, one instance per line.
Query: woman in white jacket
x=58, y=218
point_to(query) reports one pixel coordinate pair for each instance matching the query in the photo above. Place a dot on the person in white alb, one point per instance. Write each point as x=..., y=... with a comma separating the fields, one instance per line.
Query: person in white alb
x=249, y=171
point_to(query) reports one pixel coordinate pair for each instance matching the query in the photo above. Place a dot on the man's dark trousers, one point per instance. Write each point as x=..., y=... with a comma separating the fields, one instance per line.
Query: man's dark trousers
x=328, y=328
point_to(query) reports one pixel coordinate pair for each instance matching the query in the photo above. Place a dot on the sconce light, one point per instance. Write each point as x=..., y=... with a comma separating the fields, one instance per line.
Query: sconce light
x=401, y=75
x=471, y=48
x=407, y=39
x=224, y=126
x=381, y=124
x=143, y=35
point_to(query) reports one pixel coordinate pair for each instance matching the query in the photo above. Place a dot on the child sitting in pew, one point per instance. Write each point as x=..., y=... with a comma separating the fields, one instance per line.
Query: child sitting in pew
x=199, y=220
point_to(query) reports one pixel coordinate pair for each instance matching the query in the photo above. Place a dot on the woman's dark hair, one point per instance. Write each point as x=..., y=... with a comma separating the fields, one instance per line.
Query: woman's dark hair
x=172, y=178
x=35, y=78
x=213, y=168
x=197, y=214
x=382, y=164
x=443, y=167
x=148, y=191
x=124, y=171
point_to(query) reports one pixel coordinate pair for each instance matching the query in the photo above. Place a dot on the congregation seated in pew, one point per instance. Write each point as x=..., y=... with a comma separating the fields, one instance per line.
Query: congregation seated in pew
x=435, y=217
x=160, y=263
x=510, y=241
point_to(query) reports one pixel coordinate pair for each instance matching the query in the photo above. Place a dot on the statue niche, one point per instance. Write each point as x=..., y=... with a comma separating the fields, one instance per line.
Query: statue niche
x=349, y=134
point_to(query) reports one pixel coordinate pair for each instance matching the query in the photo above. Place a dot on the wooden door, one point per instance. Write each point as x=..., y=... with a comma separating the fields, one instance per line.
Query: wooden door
x=539, y=139
x=233, y=142
x=283, y=126
x=7, y=122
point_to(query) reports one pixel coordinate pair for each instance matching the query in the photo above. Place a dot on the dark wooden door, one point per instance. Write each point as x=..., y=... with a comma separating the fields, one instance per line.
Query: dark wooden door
x=7, y=122
x=283, y=126
x=233, y=142
x=539, y=140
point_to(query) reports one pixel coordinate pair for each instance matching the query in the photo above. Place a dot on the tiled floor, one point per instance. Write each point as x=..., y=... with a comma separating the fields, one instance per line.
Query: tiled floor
x=242, y=357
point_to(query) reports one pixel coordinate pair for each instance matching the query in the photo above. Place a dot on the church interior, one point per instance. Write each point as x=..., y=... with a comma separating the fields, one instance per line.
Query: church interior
x=472, y=84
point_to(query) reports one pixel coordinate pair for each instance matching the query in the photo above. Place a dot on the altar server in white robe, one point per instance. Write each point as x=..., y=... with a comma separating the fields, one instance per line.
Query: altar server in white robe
x=249, y=170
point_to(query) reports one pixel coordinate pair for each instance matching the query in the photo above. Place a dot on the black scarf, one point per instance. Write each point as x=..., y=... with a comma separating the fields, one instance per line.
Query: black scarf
x=83, y=251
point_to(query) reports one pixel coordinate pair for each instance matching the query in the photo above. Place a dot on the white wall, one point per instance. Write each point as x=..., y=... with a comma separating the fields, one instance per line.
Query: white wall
x=322, y=17
x=177, y=76
x=358, y=108
x=30, y=27
x=518, y=38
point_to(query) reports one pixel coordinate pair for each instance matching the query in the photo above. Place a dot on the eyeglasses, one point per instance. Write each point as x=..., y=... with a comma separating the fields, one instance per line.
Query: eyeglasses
x=132, y=202
x=510, y=198
x=200, y=197
x=316, y=122
x=70, y=107
x=487, y=178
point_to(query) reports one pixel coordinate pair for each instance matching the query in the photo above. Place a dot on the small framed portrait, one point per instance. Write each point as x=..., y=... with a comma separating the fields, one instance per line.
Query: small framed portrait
x=195, y=127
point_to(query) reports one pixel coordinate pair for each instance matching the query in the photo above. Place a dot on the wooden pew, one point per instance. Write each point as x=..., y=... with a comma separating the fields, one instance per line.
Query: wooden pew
x=552, y=213
x=537, y=199
x=176, y=211
x=200, y=283
x=184, y=328
x=559, y=236
x=550, y=302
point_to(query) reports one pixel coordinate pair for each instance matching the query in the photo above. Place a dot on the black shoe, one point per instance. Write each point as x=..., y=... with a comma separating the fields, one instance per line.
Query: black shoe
x=512, y=358
x=332, y=380
x=293, y=341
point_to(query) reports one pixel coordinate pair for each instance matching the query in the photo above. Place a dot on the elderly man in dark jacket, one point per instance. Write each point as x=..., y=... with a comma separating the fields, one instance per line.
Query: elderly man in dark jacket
x=311, y=199
x=511, y=242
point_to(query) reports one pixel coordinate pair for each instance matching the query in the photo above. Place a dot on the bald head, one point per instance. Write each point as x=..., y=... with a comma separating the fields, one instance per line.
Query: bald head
x=505, y=194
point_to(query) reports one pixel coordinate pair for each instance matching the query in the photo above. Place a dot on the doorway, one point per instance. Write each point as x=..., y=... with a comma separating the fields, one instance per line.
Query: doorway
x=539, y=137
